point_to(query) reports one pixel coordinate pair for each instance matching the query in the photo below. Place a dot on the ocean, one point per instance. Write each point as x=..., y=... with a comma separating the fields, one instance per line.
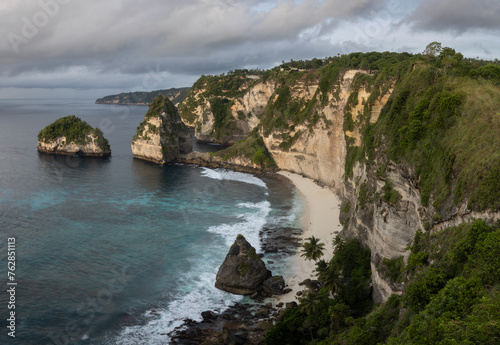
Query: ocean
x=117, y=250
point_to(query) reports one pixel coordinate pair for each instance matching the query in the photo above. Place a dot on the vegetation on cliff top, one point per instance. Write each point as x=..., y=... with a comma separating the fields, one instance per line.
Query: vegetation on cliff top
x=442, y=119
x=159, y=105
x=75, y=130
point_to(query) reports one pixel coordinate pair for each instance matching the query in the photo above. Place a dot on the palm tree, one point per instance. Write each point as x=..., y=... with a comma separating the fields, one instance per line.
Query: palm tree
x=309, y=303
x=312, y=249
x=338, y=243
x=321, y=267
x=332, y=279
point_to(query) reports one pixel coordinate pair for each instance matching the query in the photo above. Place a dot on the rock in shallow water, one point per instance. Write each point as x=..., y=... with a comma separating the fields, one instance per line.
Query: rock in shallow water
x=242, y=271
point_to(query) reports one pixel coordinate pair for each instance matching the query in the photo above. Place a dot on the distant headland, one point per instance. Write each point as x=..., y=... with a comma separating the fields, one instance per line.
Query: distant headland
x=175, y=95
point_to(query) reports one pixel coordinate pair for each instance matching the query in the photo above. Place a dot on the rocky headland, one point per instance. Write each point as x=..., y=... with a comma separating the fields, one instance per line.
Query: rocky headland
x=342, y=126
x=175, y=95
x=69, y=136
x=162, y=135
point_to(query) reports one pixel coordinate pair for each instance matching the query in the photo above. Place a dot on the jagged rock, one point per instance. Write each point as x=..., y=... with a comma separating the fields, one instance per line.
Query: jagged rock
x=208, y=315
x=234, y=333
x=287, y=290
x=274, y=285
x=242, y=271
x=265, y=325
x=262, y=313
x=313, y=284
x=162, y=136
x=291, y=305
x=70, y=135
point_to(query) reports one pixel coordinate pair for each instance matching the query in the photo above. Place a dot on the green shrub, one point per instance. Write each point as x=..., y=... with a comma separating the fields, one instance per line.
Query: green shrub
x=395, y=268
x=289, y=330
x=391, y=195
x=419, y=293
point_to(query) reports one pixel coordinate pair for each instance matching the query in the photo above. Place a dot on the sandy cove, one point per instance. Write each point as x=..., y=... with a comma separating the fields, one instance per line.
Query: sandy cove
x=321, y=220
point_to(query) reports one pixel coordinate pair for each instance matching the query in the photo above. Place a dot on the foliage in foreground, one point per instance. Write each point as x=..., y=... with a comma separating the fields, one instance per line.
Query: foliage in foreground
x=452, y=296
x=344, y=294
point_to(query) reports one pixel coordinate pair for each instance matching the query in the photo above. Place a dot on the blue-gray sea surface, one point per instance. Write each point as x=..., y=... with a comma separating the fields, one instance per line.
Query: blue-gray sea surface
x=117, y=250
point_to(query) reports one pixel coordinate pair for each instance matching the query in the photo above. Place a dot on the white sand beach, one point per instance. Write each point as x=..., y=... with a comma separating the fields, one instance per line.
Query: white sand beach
x=321, y=220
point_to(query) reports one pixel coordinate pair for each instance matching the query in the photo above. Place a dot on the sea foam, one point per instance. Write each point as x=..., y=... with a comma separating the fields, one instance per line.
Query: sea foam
x=221, y=174
x=197, y=292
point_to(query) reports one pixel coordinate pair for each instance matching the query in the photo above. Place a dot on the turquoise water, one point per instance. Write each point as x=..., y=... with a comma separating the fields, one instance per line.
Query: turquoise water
x=117, y=251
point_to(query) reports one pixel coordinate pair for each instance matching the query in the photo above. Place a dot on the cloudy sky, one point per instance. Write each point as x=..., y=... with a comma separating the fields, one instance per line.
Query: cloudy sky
x=92, y=48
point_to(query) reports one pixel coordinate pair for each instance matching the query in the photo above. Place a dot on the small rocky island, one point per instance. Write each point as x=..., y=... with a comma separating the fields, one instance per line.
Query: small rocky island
x=70, y=135
x=162, y=135
x=244, y=273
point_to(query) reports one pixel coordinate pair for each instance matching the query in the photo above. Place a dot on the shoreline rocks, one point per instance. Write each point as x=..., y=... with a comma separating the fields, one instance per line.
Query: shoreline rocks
x=216, y=327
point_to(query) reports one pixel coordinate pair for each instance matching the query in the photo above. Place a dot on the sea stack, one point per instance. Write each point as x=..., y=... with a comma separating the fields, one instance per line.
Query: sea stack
x=243, y=272
x=70, y=135
x=162, y=135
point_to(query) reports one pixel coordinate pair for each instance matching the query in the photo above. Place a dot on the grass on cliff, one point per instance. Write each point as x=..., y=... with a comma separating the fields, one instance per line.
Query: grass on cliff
x=442, y=119
x=448, y=127
x=74, y=129
x=252, y=148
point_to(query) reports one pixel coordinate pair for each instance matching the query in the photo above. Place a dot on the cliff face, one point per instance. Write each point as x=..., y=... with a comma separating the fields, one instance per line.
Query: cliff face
x=162, y=136
x=60, y=145
x=316, y=151
x=396, y=143
x=70, y=135
x=225, y=116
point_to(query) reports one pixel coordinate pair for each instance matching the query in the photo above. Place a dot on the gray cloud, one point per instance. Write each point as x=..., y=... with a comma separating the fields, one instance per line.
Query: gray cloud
x=458, y=16
x=116, y=44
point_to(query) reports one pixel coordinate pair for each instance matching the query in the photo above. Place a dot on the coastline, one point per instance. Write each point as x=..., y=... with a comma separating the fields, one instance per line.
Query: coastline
x=252, y=319
x=320, y=219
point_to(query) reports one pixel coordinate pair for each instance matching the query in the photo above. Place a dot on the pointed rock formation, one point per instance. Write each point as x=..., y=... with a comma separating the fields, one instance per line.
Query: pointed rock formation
x=162, y=136
x=243, y=271
x=70, y=135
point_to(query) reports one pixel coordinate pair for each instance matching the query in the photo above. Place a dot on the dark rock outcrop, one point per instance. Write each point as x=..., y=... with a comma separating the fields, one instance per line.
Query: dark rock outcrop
x=243, y=271
x=274, y=285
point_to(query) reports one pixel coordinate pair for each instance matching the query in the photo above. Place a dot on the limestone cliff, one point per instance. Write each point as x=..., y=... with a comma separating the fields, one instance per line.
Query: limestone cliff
x=70, y=135
x=162, y=136
x=400, y=142
x=226, y=109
